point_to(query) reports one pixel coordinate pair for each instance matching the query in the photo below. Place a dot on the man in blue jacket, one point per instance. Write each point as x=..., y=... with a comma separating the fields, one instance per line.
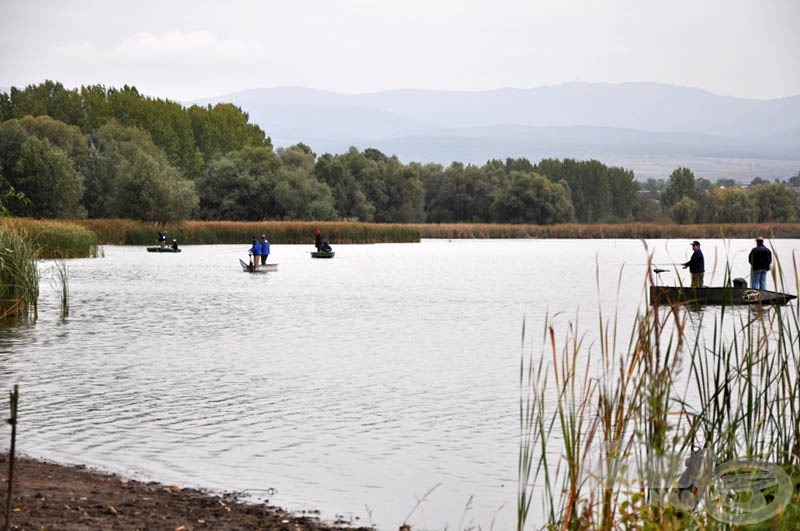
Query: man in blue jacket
x=760, y=261
x=696, y=265
x=255, y=251
x=264, y=248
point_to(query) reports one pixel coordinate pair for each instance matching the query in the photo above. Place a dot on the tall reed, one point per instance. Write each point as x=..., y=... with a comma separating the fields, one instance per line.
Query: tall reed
x=610, y=430
x=19, y=278
x=60, y=282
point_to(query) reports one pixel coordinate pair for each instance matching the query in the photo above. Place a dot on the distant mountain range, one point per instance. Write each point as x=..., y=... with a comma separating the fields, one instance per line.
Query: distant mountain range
x=646, y=127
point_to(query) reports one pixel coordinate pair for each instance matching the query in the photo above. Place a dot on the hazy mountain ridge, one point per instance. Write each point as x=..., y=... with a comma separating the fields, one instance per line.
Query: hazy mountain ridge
x=645, y=106
x=626, y=123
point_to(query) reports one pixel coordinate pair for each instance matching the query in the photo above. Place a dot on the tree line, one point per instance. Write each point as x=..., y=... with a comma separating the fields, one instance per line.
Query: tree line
x=102, y=152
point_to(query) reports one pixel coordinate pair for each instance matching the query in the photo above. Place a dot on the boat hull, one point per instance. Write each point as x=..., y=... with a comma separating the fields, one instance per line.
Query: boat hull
x=162, y=250
x=322, y=254
x=718, y=296
x=265, y=268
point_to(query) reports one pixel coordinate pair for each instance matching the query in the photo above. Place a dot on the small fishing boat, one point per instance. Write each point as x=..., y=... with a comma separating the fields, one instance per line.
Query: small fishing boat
x=263, y=268
x=162, y=250
x=719, y=296
x=322, y=254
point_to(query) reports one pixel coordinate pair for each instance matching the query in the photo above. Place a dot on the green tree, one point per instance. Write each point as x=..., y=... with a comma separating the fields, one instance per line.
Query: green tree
x=48, y=99
x=239, y=185
x=349, y=201
x=297, y=195
x=681, y=184
x=597, y=193
x=774, y=203
x=624, y=193
x=39, y=178
x=463, y=194
x=223, y=128
x=147, y=186
x=732, y=205
x=684, y=211
x=405, y=197
x=298, y=156
x=532, y=198
x=68, y=138
x=46, y=176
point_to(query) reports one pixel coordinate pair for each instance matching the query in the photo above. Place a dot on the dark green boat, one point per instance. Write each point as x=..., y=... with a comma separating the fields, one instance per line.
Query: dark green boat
x=322, y=254
x=720, y=296
x=162, y=250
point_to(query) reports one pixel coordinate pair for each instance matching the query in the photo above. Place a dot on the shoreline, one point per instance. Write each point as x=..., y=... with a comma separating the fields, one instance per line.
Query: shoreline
x=49, y=495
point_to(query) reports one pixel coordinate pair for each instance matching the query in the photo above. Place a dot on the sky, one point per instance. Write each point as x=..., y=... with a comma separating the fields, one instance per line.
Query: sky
x=184, y=50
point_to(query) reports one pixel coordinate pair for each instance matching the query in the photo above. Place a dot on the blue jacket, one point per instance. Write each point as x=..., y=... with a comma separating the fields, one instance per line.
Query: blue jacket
x=265, y=247
x=255, y=250
x=696, y=263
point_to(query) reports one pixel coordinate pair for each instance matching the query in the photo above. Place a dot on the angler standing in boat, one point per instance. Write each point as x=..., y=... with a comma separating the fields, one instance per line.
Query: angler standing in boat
x=264, y=249
x=696, y=265
x=162, y=239
x=319, y=240
x=760, y=259
x=255, y=252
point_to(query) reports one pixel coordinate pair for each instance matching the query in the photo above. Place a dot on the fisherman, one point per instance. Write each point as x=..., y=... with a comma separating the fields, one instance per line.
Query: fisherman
x=264, y=248
x=318, y=242
x=760, y=259
x=255, y=252
x=174, y=244
x=162, y=239
x=696, y=265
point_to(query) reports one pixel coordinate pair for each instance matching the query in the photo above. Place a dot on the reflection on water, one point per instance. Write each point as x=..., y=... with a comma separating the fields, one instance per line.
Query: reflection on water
x=353, y=385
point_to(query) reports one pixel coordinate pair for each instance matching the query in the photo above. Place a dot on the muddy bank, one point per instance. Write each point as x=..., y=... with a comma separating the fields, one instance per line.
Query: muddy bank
x=47, y=495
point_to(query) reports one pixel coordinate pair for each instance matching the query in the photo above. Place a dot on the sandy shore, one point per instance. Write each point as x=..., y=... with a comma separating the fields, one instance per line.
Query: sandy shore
x=48, y=495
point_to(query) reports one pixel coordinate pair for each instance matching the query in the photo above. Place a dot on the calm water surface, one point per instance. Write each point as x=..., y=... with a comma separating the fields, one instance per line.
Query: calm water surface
x=354, y=386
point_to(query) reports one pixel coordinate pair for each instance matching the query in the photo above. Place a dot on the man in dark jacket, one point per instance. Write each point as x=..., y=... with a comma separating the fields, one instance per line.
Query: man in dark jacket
x=760, y=261
x=696, y=265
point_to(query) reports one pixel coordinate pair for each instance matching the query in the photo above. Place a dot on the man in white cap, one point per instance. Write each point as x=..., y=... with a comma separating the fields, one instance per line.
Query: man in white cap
x=760, y=261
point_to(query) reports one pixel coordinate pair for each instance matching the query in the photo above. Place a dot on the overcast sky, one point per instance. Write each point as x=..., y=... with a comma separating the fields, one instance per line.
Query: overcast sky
x=183, y=50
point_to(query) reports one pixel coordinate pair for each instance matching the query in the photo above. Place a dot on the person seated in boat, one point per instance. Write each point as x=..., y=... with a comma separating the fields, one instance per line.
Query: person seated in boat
x=264, y=249
x=255, y=252
x=162, y=239
x=319, y=241
x=326, y=247
x=696, y=265
x=174, y=244
x=760, y=259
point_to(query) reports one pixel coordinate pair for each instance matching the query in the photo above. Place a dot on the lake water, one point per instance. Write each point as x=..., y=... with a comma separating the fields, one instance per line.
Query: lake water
x=352, y=386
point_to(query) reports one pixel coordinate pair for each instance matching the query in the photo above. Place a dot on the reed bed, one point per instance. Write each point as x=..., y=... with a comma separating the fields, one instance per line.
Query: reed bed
x=617, y=231
x=126, y=232
x=642, y=445
x=19, y=278
x=71, y=239
x=55, y=239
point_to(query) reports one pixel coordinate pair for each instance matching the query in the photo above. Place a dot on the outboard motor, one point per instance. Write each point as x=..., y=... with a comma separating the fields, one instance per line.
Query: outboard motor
x=739, y=283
